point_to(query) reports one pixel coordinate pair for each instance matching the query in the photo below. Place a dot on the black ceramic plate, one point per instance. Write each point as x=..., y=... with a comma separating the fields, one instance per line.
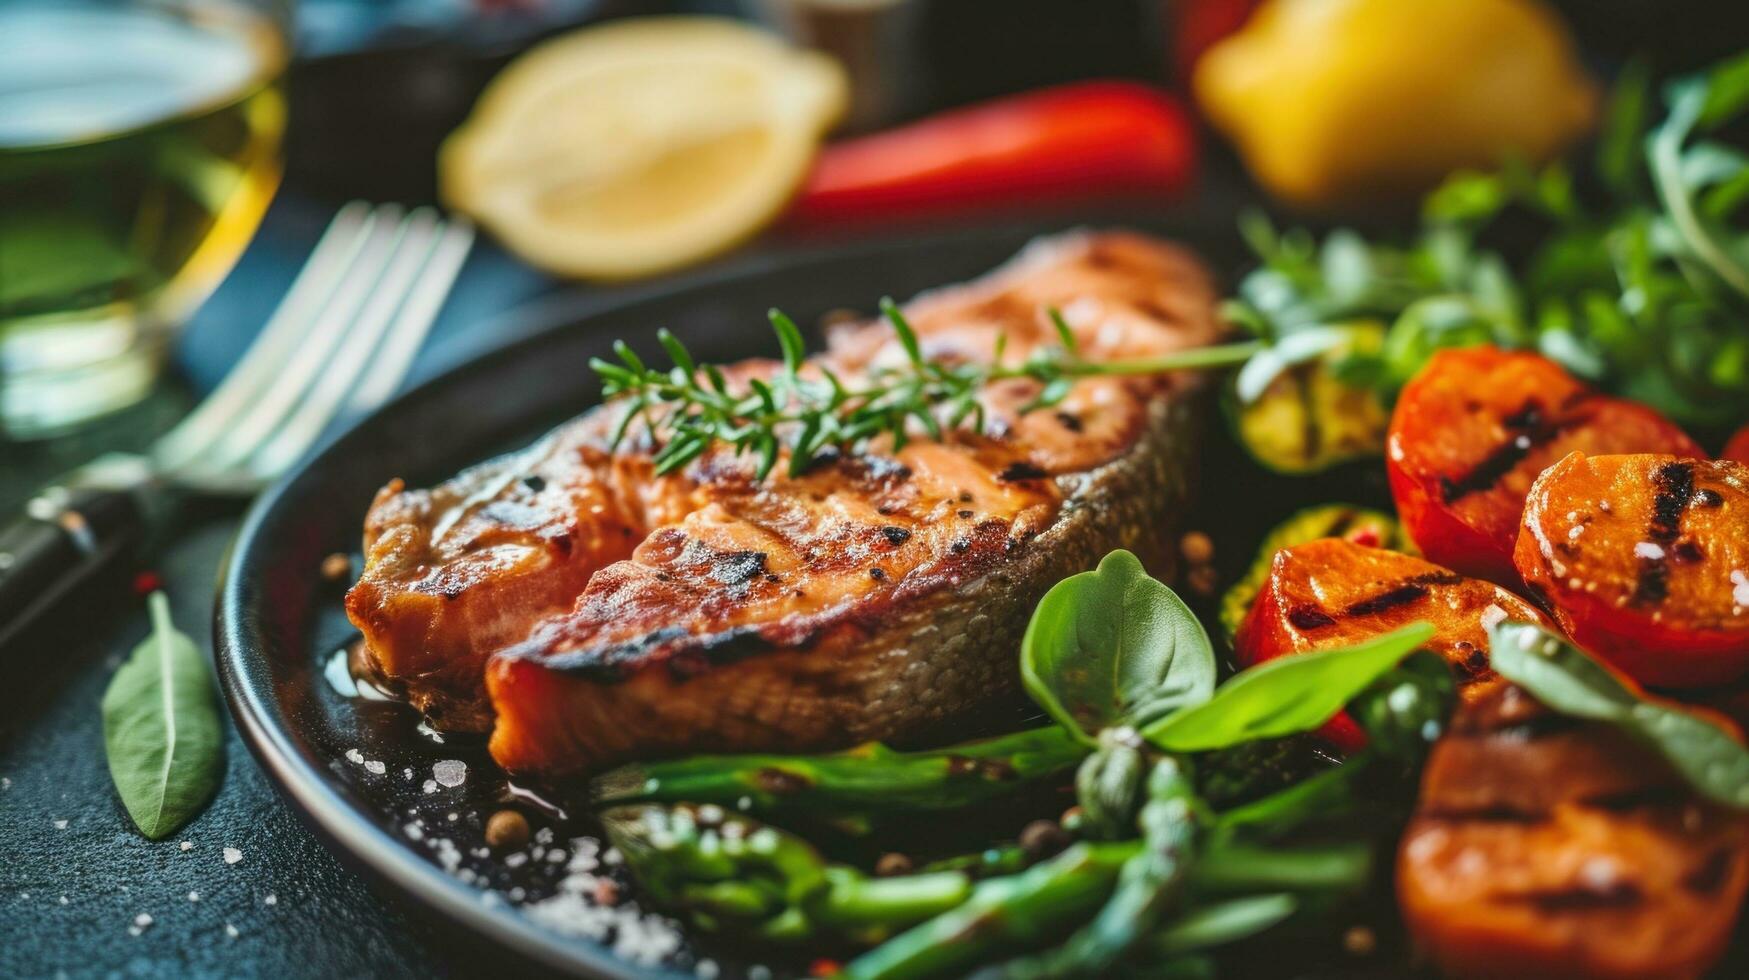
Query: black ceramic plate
x=362, y=772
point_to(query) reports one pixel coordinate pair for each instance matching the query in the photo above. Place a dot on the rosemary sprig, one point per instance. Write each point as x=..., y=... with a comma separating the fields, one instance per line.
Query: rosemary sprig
x=689, y=407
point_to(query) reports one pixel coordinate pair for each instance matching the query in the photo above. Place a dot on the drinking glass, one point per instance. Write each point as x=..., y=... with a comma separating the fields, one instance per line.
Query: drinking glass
x=139, y=147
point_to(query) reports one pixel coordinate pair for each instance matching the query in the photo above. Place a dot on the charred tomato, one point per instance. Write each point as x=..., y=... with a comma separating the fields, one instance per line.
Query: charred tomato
x=1644, y=560
x=1738, y=447
x=1334, y=592
x=1543, y=846
x=1476, y=426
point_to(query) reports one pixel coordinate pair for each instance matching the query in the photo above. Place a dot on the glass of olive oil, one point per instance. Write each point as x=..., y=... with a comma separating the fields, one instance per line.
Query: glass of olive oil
x=139, y=146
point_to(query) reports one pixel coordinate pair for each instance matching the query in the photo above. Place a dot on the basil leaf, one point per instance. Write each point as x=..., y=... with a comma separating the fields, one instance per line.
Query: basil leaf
x=161, y=729
x=1112, y=647
x=1566, y=679
x=1285, y=695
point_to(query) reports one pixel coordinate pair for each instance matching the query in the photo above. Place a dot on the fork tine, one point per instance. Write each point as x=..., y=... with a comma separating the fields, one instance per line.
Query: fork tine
x=322, y=337
x=313, y=286
x=408, y=281
x=416, y=316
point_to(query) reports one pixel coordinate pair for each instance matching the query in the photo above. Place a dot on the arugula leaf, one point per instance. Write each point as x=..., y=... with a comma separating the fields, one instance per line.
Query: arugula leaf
x=1568, y=680
x=1114, y=647
x=1285, y=695
x=161, y=729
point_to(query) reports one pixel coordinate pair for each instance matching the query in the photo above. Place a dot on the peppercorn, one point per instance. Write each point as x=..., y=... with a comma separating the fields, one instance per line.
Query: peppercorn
x=893, y=863
x=1197, y=548
x=506, y=829
x=1043, y=838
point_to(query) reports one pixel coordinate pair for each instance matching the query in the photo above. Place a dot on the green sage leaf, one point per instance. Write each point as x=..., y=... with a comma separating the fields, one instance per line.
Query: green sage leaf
x=1566, y=679
x=1114, y=647
x=1285, y=695
x=161, y=729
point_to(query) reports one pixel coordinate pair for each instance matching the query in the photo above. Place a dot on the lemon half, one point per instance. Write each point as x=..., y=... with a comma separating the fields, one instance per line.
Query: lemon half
x=641, y=145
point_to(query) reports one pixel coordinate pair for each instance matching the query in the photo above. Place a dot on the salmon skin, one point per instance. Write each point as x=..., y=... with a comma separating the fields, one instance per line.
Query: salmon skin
x=588, y=611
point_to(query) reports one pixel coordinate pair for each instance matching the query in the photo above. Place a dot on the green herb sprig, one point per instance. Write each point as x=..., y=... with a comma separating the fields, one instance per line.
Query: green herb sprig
x=690, y=407
x=1643, y=288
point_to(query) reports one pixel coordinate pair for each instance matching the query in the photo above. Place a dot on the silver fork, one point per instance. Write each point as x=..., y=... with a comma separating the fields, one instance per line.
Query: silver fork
x=339, y=343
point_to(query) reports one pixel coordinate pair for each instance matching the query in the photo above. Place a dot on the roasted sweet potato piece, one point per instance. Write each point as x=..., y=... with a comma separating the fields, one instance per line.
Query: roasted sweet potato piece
x=1645, y=562
x=1738, y=446
x=1547, y=847
x=1476, y=426
x=1333, y=592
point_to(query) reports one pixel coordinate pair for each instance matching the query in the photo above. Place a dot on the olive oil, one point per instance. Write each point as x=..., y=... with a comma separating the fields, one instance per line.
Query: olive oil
x=139, y=146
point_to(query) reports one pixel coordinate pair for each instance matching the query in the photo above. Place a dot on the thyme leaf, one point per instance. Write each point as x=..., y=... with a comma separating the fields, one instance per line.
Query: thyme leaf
x=689, y=408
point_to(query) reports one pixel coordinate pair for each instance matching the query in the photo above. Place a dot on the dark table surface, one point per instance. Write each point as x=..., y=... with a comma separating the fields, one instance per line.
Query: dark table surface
x=75, y=877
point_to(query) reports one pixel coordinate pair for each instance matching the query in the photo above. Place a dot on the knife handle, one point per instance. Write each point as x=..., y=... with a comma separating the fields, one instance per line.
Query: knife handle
x=66, y=535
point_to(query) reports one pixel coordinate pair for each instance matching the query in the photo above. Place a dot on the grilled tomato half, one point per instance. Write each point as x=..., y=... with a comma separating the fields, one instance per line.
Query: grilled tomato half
x=1334, y=592
x=1645, y=561
x=1476, y=426
x=1544, y=846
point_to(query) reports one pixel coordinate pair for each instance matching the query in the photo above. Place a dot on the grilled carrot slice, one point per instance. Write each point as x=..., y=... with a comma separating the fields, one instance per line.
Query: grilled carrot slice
x=1738, y=447
x=1333, y=592
x=1476, y=426
x=1547, y=847
x=1645, y=562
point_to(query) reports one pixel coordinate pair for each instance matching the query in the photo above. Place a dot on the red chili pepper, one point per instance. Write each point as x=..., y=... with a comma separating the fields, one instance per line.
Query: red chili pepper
x=1076, y=142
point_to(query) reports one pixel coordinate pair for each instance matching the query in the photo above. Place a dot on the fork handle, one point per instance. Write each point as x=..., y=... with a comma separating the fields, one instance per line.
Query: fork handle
x=67, y=534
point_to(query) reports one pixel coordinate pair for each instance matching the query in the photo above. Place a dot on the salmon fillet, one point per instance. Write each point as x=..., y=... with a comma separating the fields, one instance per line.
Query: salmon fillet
x=589, y=611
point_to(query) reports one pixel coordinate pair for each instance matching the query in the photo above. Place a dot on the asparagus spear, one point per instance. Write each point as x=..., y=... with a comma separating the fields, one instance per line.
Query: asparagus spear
x=730, y=874
x=850, y=787
x=1002, y=913
x=1149, y=884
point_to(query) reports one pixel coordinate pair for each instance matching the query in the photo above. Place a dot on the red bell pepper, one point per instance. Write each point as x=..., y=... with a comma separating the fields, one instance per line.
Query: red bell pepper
x=1199, y=24
x=1076, y=142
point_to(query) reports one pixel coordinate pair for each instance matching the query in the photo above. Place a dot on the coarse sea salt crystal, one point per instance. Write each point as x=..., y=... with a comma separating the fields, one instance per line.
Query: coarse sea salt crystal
x=450, y=772
x=354, y=756
x=230, y=931
x=1649, y=550
x=60, y=825
x=271, y=899
x=430, y=786
x=1740, y=587
x=194, y=896
x=232, y=855
x=186, y=845
x=375, y=767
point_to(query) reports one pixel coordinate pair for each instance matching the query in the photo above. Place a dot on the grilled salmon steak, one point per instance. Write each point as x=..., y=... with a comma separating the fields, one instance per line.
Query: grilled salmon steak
x=589, y=611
